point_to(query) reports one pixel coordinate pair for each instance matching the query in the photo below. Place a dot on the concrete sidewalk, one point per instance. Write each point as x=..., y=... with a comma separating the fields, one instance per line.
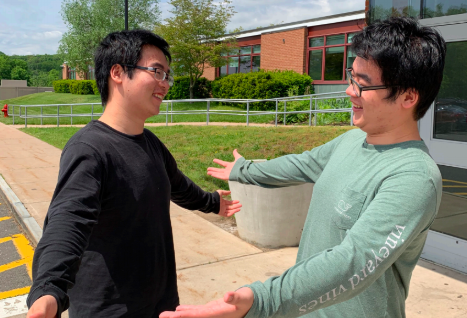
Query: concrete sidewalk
x=222, y=262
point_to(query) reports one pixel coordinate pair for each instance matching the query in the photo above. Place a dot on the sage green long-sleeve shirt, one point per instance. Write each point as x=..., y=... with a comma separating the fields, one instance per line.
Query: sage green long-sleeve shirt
x=365, y=230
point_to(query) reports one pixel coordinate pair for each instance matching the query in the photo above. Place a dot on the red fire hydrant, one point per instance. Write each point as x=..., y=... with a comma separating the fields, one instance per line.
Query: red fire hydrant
x=5, y=110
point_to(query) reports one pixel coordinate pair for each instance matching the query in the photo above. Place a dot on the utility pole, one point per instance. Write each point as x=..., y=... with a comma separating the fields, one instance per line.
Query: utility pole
x=126, y=14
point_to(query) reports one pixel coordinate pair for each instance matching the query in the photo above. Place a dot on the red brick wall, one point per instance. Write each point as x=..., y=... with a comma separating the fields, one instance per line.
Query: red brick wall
x=284, y=50
x=209, y=72
x=65, y=71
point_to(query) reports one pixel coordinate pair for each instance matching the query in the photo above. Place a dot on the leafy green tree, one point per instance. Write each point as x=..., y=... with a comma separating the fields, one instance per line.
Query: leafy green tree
x=197, y=36
x=53, y=75
x=89, y=21
x=39, y=79
x=19, y=73
x=6, y=65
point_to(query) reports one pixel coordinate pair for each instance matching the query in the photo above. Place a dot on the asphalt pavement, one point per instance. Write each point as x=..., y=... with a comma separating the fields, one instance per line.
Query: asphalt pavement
x=16, y=254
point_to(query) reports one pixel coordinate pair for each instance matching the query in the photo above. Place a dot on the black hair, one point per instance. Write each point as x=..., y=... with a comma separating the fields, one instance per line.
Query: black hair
x=409, y=55
x=123, y=48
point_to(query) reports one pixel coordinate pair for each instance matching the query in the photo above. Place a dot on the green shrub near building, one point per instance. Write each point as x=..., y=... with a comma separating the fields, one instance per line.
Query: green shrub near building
x=78, y=87
x=261, y=85
x=181, y=88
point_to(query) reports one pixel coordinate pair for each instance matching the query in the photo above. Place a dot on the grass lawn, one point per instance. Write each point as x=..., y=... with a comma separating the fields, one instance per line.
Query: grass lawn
x=194, y=147
x=62, y=98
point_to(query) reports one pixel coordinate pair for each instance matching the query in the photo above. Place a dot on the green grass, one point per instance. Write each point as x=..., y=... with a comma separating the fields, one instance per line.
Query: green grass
x=61, y=98
x=194, y=147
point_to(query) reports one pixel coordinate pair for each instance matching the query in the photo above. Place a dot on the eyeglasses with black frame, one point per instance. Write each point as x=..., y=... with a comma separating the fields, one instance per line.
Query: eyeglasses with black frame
x=357, y=88
x=159, y=74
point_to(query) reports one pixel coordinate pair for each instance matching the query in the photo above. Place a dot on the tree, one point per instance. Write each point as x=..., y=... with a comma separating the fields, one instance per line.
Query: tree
x=6, y=65
x=19, y=73
x=89, y=21
x=197, y=36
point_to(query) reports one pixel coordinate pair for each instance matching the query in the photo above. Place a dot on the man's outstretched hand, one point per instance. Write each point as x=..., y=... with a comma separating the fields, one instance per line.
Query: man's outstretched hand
x=44, y=307
x=223, y=173
x=233, y=305
x=228, y=208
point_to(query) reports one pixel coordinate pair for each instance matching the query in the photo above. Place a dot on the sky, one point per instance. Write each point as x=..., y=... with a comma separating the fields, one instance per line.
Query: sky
x=36, y=26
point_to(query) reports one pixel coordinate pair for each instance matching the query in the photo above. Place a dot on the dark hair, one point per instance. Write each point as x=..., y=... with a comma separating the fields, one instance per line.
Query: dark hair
x=409, y=55
x=124, y=47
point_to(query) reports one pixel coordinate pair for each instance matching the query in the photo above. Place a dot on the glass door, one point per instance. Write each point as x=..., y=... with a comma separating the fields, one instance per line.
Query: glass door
x=444, y=130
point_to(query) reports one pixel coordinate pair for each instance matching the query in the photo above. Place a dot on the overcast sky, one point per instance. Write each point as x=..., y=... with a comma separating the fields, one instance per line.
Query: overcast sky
x=36, y=26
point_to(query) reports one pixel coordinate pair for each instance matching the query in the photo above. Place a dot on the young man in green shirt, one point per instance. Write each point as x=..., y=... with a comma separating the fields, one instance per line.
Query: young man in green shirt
x=376, y=193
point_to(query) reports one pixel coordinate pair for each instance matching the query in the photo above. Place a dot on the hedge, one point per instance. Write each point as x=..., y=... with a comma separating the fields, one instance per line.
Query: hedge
x=80, y=87
x=261, y=85
x=62, y=86
x=181, y=88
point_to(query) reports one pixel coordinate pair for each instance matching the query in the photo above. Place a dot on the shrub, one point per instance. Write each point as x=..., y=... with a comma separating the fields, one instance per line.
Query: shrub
x=333, y=118
x=82, y=87
x=94, y=88
x=62, y=86
x=181, y=88
x=260, y=85
x=294, y=106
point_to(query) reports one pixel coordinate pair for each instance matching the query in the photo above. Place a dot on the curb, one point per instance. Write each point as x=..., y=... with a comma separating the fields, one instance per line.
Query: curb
x=28, y=223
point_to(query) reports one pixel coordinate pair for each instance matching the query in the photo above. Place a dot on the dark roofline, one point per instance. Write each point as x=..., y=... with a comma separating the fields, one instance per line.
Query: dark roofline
x=298, y=22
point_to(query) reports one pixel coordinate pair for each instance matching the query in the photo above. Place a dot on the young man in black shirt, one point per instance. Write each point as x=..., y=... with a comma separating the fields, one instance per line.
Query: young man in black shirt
x=107, y=248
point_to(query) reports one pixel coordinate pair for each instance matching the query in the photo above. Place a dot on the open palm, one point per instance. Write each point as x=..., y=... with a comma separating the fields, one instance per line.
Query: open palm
x=223, y=173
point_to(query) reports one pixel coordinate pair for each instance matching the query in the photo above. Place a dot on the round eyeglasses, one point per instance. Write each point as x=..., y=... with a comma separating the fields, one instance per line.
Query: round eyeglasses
x=159, y=74
x=357, y=88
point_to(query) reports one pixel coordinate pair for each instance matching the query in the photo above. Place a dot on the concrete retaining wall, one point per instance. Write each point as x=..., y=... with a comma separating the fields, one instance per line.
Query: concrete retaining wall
x=13, y=92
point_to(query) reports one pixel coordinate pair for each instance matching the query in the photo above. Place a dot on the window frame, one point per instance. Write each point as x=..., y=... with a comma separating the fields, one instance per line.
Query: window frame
x=239, y=55
x=323, y=48
x=72, y=70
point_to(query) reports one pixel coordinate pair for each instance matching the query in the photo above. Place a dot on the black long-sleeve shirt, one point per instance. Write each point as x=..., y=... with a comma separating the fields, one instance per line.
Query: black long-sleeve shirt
x=107, y=247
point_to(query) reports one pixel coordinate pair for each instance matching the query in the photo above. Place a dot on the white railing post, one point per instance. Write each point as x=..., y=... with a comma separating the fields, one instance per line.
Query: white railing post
x=315, y=119
x=41, y=115
x=311, y=106
x=285, y=110
x=92, y=111
x=26, y=117
x=71, y=114
x=58, y=116
x=248, y=113
x=171, y=112
x=277, y=109
x=207, y=113
x=13, y=115
x=166, y=114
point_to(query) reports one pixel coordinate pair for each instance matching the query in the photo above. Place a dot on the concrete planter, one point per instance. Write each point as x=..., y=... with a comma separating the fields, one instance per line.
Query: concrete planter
x=271, y=218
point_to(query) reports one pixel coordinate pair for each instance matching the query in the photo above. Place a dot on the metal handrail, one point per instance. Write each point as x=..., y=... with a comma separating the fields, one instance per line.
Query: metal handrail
x=311, y=97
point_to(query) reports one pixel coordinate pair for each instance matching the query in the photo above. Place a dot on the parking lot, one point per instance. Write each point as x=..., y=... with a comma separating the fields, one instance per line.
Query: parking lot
x=16, y=254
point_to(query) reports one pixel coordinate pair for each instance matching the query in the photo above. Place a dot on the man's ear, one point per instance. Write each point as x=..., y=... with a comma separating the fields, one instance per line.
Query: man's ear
x=410, y=99
x=117, y=73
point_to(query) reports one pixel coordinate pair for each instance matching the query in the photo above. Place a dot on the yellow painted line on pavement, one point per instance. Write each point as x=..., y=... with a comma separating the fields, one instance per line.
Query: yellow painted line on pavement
x=5, y=239
x=25, y=250
x=454, y=186
x=15, y=292
x=454, y=181
x=5, y=218
x=14, y=264
x=459, y=193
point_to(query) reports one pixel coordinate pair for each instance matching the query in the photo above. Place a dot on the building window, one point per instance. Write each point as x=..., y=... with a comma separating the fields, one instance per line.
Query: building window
x=383, y=9
x=71, y=73
x=439, y=8
x=91, y=73
x=450, y=120
x=328, y=56
x=247, y=59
